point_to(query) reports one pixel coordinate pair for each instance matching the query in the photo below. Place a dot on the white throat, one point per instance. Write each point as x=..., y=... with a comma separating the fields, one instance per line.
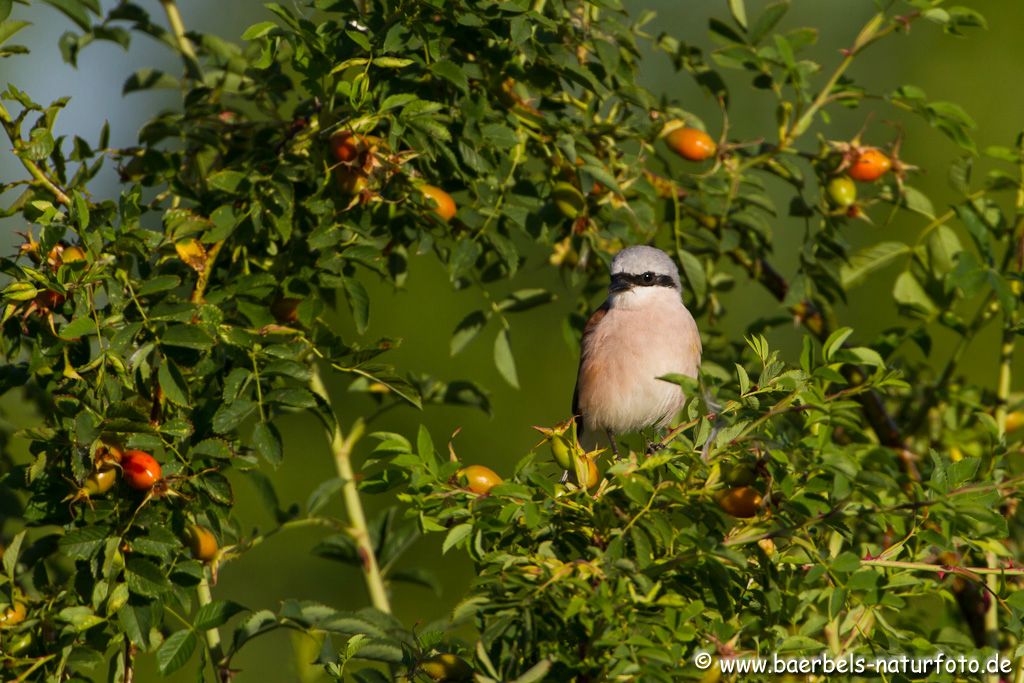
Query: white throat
x=644, y=297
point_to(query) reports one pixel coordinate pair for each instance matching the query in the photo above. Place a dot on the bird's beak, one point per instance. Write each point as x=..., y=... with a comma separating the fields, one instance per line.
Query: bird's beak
x=619, y=283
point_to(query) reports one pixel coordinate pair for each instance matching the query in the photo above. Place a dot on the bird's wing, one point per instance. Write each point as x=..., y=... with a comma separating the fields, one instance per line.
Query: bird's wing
x=588, y=330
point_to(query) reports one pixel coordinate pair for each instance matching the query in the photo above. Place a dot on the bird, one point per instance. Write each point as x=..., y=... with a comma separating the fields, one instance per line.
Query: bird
x=642, y=331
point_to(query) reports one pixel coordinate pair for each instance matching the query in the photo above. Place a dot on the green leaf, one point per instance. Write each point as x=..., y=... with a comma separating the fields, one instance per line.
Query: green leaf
x=136, y=620
x=84, y=543
x=535, y=673
x=73, y=10
x=870, y=259
x=149, y=79
x=466, y=331
x=767, y=21
x=739, y=12
x=80, y=618
x=450, y=71
x=11, y=553
x=5, y=9
x=358, y=302
x=322, y=494
x=846, y=563
x=835, y=342
x=267, y=441
x=943, y=247
x=215, y=614
x=392, y=62
x=9, y=28
x=175, y=651
x=227, y=180
x=1016, y=600
x=455, y=535
x=417, y=576
x=385, y=376
x=160, y=283
x=424, y=445
x=145, y=578
x=525, y=299
x=909, y=293
x=174, y=386
x=693, y=269
x=79, y=327
x=20, y=291
x=258, y=30
x=918, y=202
x=504, y=360
x=187, y=336
x=230, y=415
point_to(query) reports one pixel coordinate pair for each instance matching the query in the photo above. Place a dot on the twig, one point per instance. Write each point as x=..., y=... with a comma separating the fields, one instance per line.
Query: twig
x=944, y=569
x=341, y=447
x=32, y=167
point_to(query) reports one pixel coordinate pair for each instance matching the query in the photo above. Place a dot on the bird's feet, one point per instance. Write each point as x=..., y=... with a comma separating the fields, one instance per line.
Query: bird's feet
x=611, y=441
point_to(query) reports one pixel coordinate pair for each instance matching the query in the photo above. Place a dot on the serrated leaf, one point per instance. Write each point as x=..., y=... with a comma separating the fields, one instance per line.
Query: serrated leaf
x=173, y=384
x=215, y=614
x=455, y=535
x=136, y=620
x=267, y=441
x=11, y=554
x=869, y=260
x=358, y=302
x=175, y=651
x=187, y=336
x=232, y=414
x=84, y=543
x=145, y=578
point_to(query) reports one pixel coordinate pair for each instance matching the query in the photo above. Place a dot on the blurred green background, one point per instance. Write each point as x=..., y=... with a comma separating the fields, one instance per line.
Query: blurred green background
x=981, y=72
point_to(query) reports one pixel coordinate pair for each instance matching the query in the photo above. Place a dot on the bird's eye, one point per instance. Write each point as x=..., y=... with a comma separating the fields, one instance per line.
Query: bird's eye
x=648, y=277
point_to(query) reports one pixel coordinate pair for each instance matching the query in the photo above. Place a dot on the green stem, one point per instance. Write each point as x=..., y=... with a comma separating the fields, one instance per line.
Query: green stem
x=212, y=634
x=869, y=34
x=34, y=170
x=1005, y=377
x=943, y=569
x=341, y=448
x=178, y=29
x=992, y=611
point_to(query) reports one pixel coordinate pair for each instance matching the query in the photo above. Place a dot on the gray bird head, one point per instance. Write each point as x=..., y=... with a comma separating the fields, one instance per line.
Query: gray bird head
x=643, y=267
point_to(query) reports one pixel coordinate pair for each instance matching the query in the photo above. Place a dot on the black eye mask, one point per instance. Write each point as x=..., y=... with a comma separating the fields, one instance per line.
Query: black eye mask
x=623, y=281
